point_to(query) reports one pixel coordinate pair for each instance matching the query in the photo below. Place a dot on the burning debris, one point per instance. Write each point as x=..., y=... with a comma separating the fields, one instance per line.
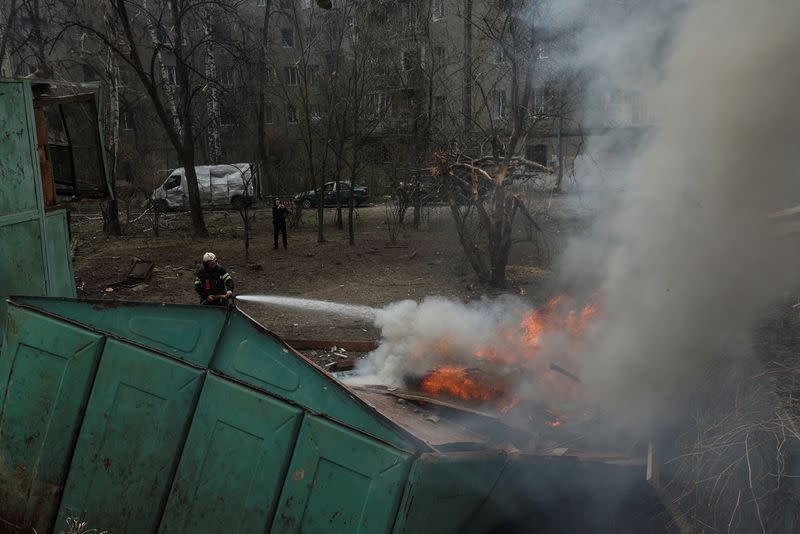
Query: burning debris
x=500, y=356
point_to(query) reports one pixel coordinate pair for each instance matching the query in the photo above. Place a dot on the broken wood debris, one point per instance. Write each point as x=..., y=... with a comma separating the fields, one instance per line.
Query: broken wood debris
x=557, y=368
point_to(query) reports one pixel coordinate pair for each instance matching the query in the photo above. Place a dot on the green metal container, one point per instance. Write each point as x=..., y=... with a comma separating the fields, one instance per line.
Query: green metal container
x=35, y=240
x=140, y=417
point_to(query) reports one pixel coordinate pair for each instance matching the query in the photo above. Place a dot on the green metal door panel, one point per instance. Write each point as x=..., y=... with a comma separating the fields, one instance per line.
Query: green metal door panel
x=443, y=491
x=56, y=233
x=186, y=332
x=340, y=481
x=19, y=159
x=21, y=269
x=136, y=421
x=234, y=461
x=249, y=353
x=44, y=384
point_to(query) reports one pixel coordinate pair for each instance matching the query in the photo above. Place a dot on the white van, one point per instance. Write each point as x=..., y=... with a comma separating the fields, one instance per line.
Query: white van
x=219, y=185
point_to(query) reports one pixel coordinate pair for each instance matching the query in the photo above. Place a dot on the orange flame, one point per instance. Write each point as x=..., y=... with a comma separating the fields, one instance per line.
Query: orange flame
x=552, y=333
x=462, y=383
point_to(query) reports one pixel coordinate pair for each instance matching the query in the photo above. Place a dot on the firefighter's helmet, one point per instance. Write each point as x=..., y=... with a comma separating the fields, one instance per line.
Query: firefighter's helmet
x=209, y=256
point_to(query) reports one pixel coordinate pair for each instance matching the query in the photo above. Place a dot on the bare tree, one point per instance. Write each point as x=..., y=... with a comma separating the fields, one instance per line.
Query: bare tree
x=178, y=29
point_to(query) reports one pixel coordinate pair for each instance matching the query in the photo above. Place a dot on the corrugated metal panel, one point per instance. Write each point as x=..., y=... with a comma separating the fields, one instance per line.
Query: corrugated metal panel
x=19, y=170
x=186, y=332
x=135, y=425
x=233, y=463
x=249, y=353
x=443, y=491
x=22, y=267
x=340, y=481
x=44, y=385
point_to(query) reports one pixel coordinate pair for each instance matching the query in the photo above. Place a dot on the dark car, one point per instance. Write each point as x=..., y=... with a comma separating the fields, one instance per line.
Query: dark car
x=308, y=199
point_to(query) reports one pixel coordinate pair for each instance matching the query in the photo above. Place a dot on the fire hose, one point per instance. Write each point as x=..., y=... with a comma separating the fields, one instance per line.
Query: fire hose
x=231, y=301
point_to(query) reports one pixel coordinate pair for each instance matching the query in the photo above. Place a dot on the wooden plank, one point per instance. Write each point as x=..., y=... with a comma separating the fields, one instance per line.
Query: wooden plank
x=67, y=99
x=48, y=184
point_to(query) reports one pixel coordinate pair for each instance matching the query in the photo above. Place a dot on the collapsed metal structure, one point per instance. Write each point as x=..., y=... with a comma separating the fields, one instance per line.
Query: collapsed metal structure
x=142, y=417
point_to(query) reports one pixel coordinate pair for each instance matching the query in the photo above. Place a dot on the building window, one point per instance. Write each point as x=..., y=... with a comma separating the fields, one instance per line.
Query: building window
x=169, y=71
x=125, y=120
x=377, y=105
x=269, y=114
x=316, y=112
x=313, y=75
x=409, y=59
x=536, y=154
x=438, y=9
x=269, y=75
x=286, y=4
x=228, y=76
x=261, y=3
x=291, y=114
x=287, y=37
x=499, y=100
x=291, y=76
x=539, y=101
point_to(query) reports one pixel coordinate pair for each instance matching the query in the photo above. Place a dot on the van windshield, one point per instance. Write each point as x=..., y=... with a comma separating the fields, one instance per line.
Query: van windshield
x=173, y=182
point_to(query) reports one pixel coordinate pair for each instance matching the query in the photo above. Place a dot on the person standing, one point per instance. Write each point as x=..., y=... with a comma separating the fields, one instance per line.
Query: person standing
x=213, y=283
x=279, y=221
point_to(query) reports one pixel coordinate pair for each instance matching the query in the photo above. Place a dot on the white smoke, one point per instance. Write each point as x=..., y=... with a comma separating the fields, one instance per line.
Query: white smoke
x=688, y=262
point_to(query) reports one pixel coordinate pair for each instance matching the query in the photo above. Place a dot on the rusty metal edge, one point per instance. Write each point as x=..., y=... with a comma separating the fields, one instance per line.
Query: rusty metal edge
x=319, y=344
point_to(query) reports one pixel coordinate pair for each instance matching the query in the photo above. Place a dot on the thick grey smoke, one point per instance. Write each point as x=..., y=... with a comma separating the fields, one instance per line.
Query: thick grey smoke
x=689, y=260
x=419, y=337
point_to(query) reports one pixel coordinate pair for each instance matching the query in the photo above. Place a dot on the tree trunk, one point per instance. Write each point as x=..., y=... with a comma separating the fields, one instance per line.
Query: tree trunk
x=167, y=85
x=214, y=143
x=339, y=221
x=560, y=155
x=350, y=226
x=467, y=104
x=187, y=145
x=110, y=208
x=9, y=23
x=263, y=151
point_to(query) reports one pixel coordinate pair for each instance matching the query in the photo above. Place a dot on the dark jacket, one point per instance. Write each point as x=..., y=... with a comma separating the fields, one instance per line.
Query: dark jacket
x=214, y=281
x=279, y=216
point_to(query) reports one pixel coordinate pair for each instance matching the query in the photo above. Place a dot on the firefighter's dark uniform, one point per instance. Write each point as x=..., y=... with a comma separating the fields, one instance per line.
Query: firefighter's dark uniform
x=214, y=281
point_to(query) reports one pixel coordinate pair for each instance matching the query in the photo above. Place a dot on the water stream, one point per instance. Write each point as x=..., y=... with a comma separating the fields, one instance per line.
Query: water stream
x=323, y=306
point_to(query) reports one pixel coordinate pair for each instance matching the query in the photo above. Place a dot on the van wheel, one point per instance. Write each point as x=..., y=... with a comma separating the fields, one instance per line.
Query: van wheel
x=306, y=203
x=237, y=202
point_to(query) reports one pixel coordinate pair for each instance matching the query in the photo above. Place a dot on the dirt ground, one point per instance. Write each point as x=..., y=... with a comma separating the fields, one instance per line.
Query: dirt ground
x=427, y=261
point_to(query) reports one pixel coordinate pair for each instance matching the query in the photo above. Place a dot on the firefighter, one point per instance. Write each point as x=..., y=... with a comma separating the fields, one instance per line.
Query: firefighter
x=213, y=283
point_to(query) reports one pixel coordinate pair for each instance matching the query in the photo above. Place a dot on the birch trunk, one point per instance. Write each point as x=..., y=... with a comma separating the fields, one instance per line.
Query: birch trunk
x=166, y=85
x=212, y=105
x=110, y=208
